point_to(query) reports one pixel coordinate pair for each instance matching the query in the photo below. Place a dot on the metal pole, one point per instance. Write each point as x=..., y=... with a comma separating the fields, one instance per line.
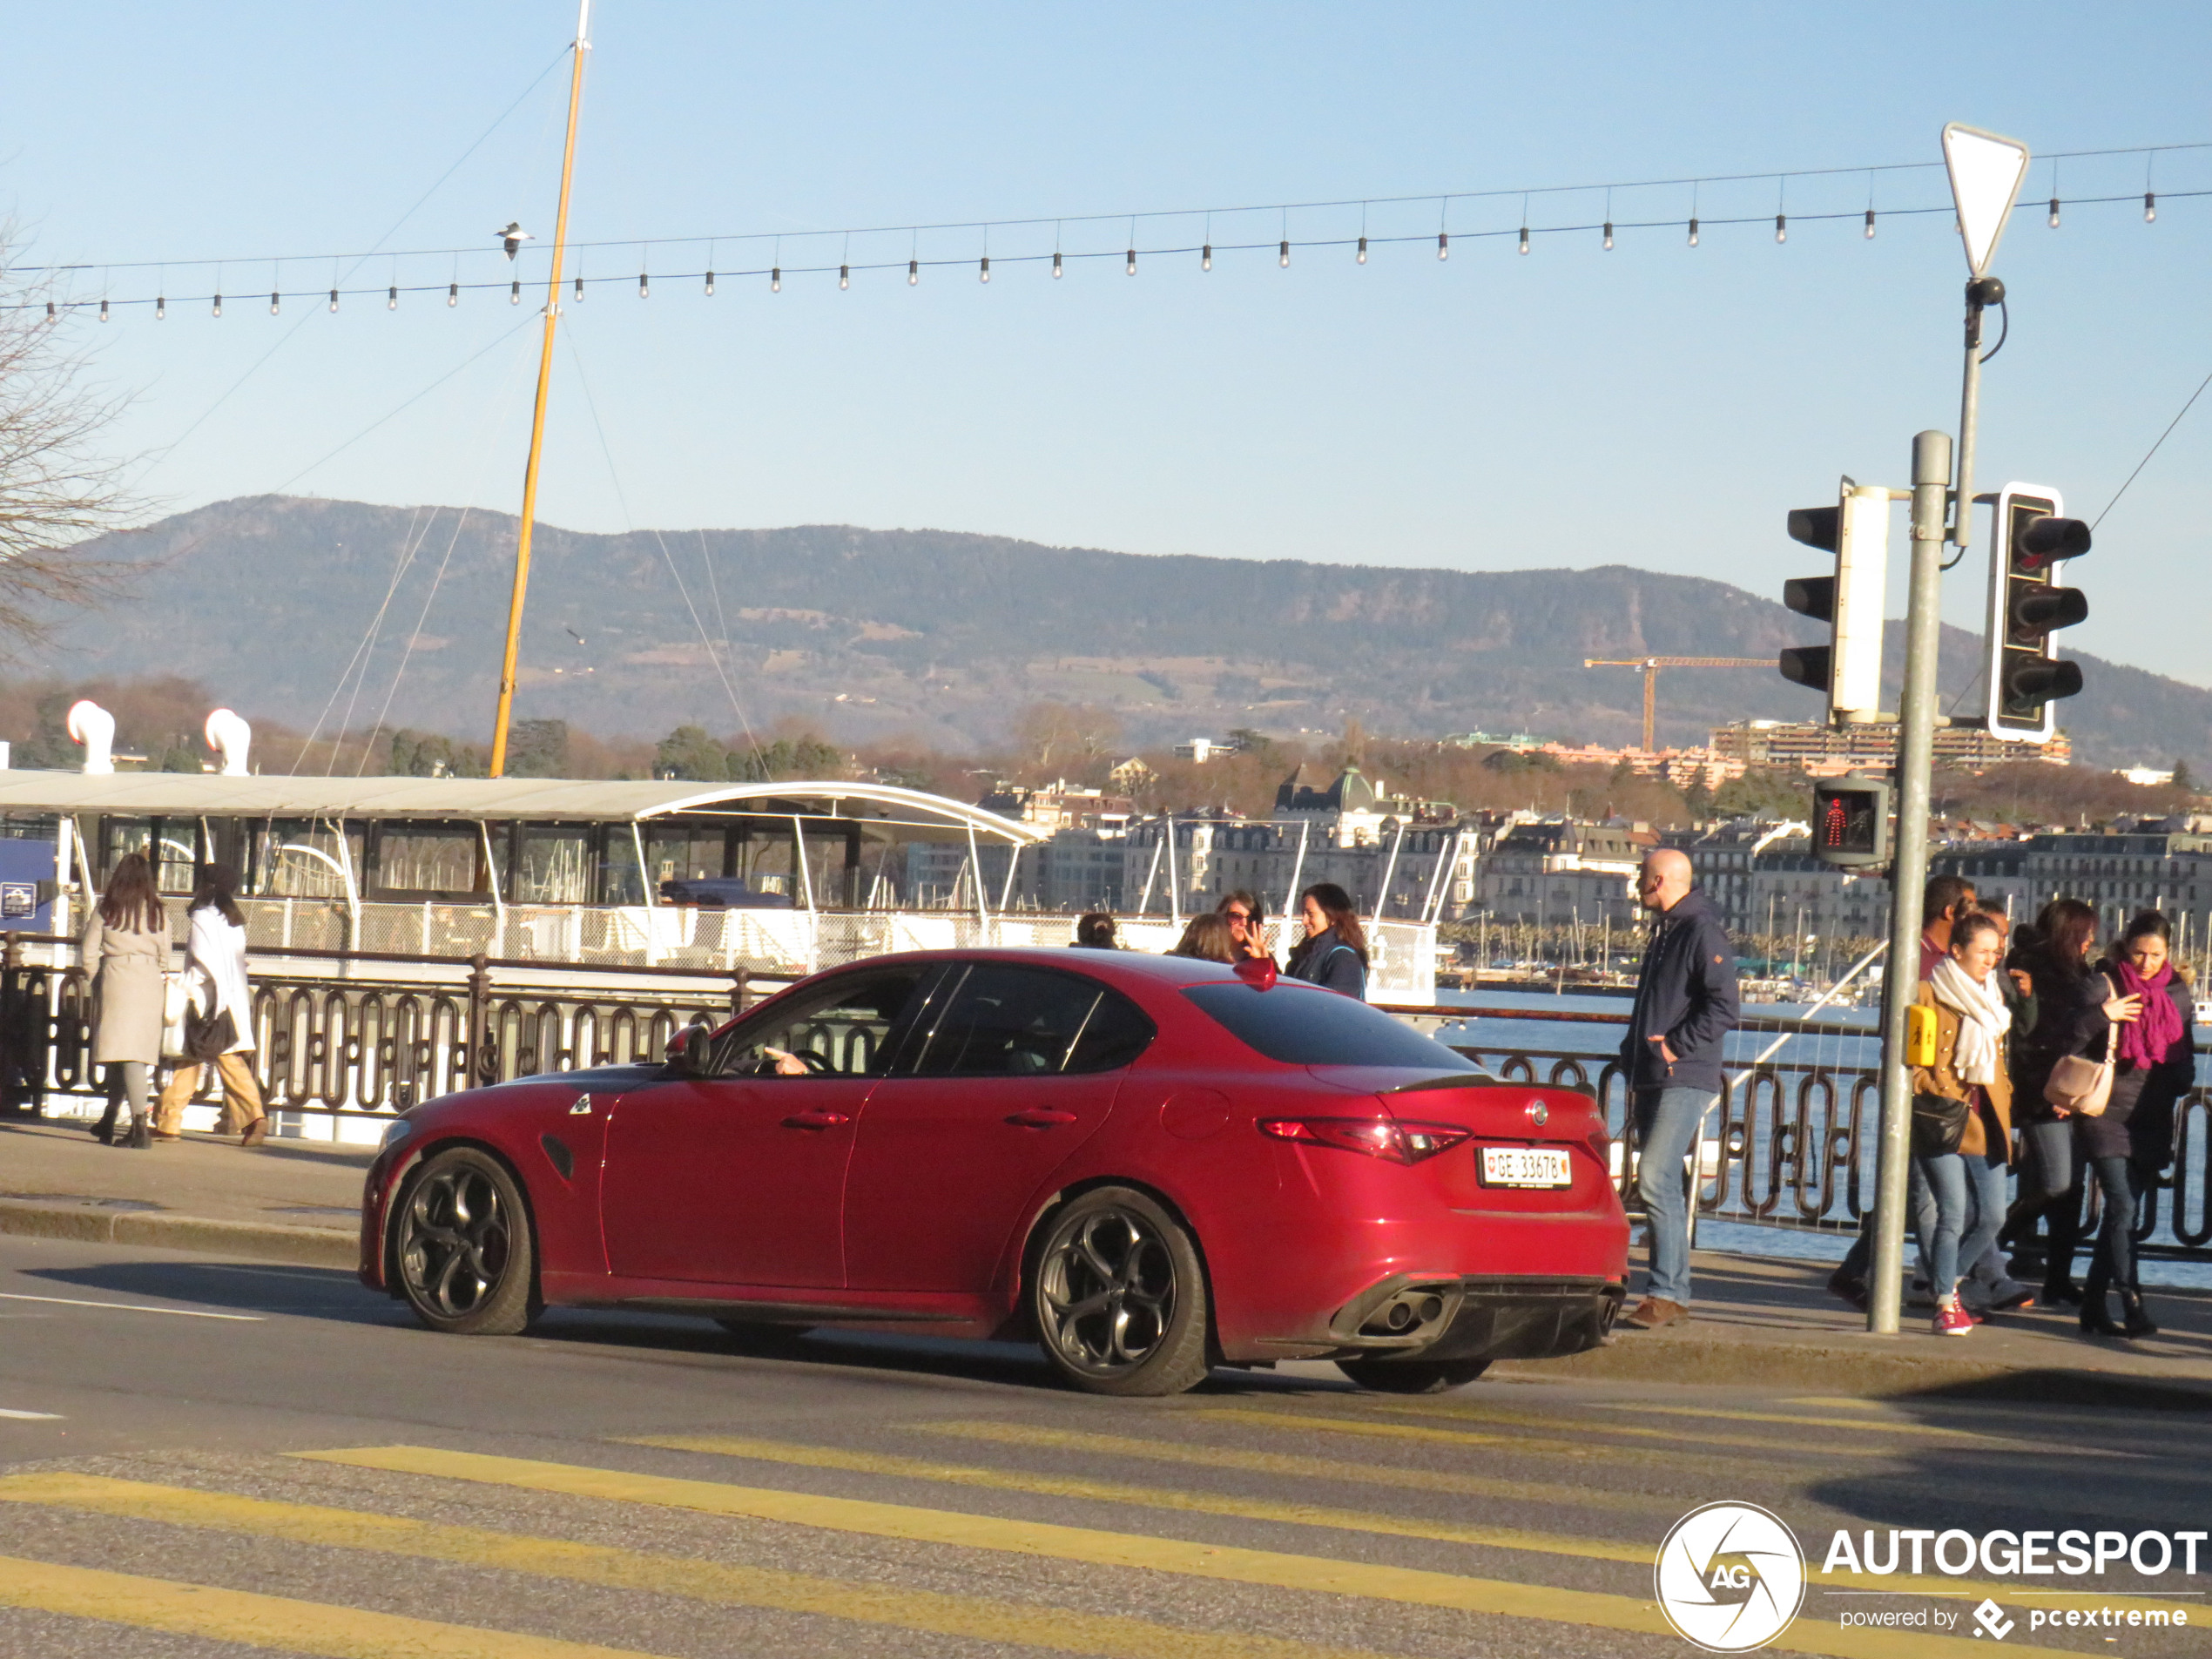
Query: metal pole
x=1916, y=747
x=537, y=417
x=1979, y=293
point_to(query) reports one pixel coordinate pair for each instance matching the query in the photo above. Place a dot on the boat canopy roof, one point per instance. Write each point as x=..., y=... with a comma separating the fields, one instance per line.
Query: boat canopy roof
x=845, y=802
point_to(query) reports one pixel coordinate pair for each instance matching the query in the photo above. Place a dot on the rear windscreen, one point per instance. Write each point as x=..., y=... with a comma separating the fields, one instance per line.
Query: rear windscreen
x=1305, y=1026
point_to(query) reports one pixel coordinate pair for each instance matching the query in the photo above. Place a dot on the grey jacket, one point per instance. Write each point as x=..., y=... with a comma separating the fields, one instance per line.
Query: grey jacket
x=127, y=965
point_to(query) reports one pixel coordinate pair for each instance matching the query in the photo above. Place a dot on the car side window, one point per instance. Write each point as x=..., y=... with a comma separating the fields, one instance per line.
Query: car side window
x=843, y=1029
x=1005, y=1021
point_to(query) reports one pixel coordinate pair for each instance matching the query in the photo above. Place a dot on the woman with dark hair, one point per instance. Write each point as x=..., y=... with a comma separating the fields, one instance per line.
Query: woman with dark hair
x=2155, y=1064
x=125, y=947
x=1334, y=953
x=1247, y=924
x=2075, y=1011
x=1095, y=931
x=216, y=959
x=1209, y=939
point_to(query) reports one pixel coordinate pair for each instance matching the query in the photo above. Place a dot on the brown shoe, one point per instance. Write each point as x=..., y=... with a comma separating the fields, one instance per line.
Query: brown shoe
x=256, y=1132
x=1654, y=1312
x=167, y=1135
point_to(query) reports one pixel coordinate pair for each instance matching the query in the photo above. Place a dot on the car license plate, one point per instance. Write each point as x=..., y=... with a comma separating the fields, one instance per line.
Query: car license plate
x=1525, y=1166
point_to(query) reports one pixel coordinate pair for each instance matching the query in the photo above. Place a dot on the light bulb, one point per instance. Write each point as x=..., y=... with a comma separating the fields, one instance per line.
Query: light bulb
x=1443, y=245
x=160, y=308
x=579, y=289
x=1781, y=227
x=1205, y=257
x=1693, y=233
x=274, y=297
x=1524, y=238
x=913, y=271
x=1129, y=269
x=1869, y=224
x=392, y=299
x=49, y=311
x=2055, y=212
x=1363, y=250
x=844, y=276
x=709, y=285
x=1609, y=236
x=334, y=298
x=983, y=271
x=103, y=310
x=218, y=304
x=1055, y=262
x=453, y=294
x=2150, y=207
x=775, y=279
x=1282, y=254
x=644, y=288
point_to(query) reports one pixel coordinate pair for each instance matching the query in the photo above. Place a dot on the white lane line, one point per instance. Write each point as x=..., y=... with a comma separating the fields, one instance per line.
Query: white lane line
x=130, y=1307
x=32, y=1417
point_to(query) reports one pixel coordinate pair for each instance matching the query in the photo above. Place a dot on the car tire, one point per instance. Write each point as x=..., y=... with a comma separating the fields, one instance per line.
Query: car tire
x=1412, y=1376
x=462, y=1248
x=1118, y=1295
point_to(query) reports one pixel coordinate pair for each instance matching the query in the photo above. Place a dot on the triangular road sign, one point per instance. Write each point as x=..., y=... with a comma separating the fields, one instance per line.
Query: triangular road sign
x=1986, y=173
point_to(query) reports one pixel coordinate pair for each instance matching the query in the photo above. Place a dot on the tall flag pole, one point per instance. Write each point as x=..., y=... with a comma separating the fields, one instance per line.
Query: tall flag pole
x=538, y=416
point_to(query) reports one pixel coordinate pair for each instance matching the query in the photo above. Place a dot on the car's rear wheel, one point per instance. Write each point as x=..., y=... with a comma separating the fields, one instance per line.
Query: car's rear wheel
x=464, y=1248
x=1119, y=1296
x=1412, y=1376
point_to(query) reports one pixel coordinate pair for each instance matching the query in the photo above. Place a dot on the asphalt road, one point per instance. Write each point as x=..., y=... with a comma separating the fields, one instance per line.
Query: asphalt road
x=203, y=1457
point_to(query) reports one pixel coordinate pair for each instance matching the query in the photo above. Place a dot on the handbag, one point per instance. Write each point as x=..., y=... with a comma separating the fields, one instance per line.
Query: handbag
x=2079, y=1086
x=176, y=1003
x=208, y=1037
x=1939, y=1124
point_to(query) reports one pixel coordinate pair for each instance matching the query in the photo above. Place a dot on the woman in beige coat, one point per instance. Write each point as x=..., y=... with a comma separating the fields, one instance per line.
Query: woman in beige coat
x=125, y=949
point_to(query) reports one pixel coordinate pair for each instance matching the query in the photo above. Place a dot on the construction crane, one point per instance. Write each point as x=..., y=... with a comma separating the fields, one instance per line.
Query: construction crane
x=1651, y=665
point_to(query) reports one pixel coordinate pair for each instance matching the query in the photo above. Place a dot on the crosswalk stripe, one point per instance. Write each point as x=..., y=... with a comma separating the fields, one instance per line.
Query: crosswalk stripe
x=1518, y=1445
x=974, y=1617
x=1497, y=1416
x=1299, y=1466
x=1204, y=1503
x=1991, y=1442
x=1371, y=1580
x=265, y=1621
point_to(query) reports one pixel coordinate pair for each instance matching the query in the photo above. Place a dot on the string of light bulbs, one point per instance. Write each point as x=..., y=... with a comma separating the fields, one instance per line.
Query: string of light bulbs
x=1693, y=227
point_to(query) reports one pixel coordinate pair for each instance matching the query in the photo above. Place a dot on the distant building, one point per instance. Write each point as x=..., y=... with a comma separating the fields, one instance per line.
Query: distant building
x=1555, y=872
x=1201, y=750
x=2149, y=776
x=1821, y=751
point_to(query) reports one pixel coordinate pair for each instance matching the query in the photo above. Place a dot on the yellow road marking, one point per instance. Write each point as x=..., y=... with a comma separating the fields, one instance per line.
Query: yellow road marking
x=265, y=1621
x=1301, y=1467
x=974, y=1617
x=1499, y=1416
x=1856, y=1404
x=1993, y=1442
x=1203, y=1503
x=1345, y=1423
x=1412, y=1586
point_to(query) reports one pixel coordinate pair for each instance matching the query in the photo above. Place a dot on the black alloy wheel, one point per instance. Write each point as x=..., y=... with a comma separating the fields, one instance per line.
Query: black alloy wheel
x=464, y=1246
x=1412, y=1376
x=1119, y=1296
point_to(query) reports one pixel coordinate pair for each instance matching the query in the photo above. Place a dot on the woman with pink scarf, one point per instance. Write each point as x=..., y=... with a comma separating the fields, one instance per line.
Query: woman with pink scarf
x=2154, y=1057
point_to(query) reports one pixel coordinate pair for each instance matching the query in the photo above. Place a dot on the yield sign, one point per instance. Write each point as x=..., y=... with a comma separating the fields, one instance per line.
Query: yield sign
x=1986, y=172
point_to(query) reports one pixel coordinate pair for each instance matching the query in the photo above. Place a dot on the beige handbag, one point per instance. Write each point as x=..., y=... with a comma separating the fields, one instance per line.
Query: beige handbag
x=2081, y=1086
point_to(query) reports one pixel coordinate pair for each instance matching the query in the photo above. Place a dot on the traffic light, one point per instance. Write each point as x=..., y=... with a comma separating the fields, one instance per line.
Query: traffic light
x=1851, y=821
x=2032, y=537
x=1848, y=670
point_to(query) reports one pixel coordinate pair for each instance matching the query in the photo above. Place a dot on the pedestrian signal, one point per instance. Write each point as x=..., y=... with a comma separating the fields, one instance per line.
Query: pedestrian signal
x=1851, y=822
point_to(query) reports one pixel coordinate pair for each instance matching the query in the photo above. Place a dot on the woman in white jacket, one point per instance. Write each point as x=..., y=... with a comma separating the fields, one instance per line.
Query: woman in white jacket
x=215, y=962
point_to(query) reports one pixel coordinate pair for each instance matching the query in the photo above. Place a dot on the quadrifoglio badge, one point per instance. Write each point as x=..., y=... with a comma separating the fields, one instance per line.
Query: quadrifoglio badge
x=1731, y=1577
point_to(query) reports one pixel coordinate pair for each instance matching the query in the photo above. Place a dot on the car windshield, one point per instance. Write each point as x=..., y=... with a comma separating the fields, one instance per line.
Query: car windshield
x=1301, y=1025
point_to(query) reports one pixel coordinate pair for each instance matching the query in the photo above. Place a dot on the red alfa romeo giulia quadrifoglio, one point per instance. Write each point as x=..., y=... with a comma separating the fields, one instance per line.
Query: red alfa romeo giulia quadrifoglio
x=1151, y=1166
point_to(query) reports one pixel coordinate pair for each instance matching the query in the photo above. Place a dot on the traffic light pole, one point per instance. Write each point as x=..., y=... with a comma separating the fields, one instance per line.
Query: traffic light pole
x=1915, y=757
x=1981, y=292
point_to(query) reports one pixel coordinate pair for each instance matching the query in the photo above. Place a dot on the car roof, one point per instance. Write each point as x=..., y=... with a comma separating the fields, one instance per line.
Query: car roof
x=1109, y=965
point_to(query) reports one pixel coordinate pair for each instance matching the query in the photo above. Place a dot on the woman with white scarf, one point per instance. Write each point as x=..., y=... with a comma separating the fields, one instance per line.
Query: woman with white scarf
x=1962, y=1132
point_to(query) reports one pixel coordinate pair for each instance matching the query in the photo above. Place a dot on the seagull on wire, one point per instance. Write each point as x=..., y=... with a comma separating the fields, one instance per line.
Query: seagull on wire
x=513, y=236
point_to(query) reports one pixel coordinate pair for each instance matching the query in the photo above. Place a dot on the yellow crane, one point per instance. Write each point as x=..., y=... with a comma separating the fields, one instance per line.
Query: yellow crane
x=1651, y=665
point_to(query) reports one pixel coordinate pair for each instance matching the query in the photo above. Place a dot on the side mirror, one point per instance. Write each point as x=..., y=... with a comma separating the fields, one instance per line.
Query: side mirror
x=689, y=1050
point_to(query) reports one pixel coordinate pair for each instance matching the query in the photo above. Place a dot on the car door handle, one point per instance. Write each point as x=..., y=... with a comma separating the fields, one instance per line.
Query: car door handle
x=816, y=1118
x=1041, y=1117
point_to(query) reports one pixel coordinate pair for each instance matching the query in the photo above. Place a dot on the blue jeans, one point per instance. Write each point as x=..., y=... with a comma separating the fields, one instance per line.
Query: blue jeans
x=2123, y=1185
x=1667, y=1120
x=1969, y=1191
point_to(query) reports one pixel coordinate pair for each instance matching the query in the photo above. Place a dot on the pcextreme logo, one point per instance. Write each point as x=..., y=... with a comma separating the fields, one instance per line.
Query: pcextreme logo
x=1730, y=1577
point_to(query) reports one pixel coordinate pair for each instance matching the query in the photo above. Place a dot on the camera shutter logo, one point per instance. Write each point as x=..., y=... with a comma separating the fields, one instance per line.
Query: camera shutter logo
x=1730, y=1577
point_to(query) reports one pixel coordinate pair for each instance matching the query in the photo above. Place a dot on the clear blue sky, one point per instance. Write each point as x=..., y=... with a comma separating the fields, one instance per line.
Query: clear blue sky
x=1655, y=406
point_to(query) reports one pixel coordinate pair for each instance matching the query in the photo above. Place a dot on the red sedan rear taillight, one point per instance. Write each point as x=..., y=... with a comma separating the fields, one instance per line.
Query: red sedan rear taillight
x=1377, y=1138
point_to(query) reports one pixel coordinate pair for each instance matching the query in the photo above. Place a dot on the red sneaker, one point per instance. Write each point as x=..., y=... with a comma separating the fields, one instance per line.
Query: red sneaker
x=1952, y=1320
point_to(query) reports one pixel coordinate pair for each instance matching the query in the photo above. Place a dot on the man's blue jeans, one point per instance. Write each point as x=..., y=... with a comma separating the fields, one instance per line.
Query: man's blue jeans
x=1667, y=1120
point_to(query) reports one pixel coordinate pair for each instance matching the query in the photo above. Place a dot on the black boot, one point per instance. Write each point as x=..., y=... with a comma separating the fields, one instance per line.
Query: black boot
x=2061, y=1290
x=2096, y=1317
x=2131, y=1309
x=103, y=1131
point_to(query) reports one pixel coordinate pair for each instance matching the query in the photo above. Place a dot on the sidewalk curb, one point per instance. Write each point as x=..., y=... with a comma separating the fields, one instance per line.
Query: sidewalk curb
x=259, y=1241
x=1849, y=1370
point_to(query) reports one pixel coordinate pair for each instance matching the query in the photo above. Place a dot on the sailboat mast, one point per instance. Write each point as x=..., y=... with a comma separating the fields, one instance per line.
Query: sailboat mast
x=538, y=416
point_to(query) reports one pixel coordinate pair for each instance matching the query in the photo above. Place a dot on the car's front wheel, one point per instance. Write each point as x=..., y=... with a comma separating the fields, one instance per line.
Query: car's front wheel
x=1412, y=1376
x=464, y=1246
x=1119, y=1296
